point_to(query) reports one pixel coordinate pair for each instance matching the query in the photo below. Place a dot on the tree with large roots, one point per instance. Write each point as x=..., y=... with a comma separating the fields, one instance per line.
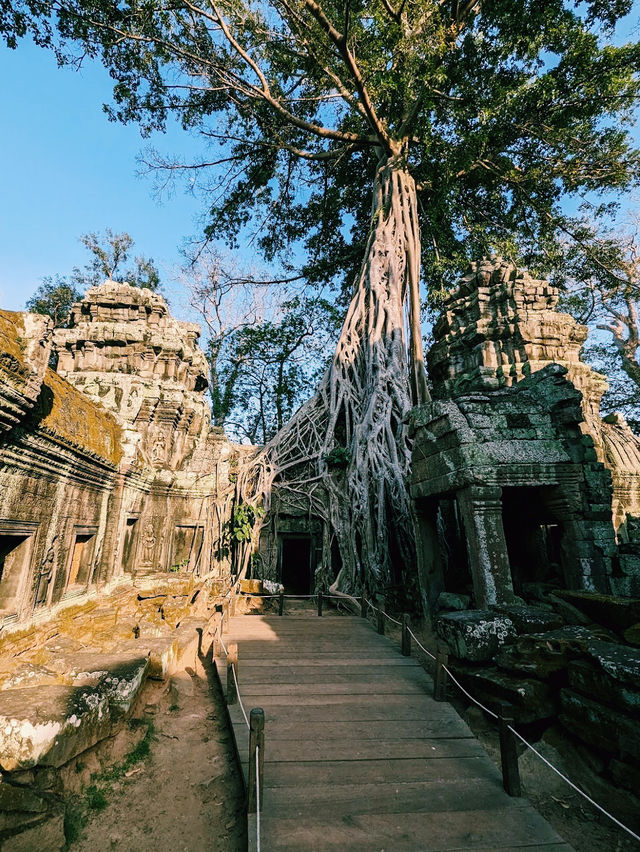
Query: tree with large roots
x=358, y=413
x=471, y=120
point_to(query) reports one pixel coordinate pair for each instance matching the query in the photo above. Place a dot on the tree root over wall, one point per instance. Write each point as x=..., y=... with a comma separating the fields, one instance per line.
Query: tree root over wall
x=345, y=454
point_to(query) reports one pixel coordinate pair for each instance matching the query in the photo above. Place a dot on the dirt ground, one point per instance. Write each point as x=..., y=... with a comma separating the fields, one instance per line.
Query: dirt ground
x=186, y=793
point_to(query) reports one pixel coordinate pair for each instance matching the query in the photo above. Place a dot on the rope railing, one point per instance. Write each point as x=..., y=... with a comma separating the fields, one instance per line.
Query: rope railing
x=515, y=733
x=258, y=791
x=255, y=725
x=511, y=779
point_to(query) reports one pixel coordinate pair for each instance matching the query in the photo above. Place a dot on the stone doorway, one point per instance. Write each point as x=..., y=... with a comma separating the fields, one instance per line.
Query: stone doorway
x=295, y=564
x=533, y=534
x=81, y=564
x=15, y=556
x=129, y=550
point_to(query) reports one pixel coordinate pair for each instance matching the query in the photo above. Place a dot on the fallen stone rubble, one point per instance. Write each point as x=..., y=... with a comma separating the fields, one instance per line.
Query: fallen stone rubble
x=579, y=681
x=69, y=684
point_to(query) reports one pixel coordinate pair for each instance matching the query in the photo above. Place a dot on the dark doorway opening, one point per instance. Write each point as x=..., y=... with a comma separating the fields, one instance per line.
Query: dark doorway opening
x=534, y=536
x=14, y=562
x=296, y=565
x=128, y=551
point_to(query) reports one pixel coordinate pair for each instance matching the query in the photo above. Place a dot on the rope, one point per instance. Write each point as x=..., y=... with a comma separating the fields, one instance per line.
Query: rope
x=420, y=645
x=575, y=787
x=257, y=799
x=244, y=712
x=469, y=696
x=460, y=687
x=224, y=647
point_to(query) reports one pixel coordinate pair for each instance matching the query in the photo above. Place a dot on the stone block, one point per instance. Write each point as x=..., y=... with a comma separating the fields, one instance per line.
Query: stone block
x=598, y=726
x=453, y=601
x=614, y=612
x=632, y=634
x=530, y=619
x=531, y=699
x=251, y=587
x=625, y=774
x=17, y=798
x=188, y=638
x=47, y=726
x=475, y=635
x=163, y=656
x=597, y=684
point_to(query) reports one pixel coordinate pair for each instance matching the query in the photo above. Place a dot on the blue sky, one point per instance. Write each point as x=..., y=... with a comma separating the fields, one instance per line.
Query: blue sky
x=67, y=170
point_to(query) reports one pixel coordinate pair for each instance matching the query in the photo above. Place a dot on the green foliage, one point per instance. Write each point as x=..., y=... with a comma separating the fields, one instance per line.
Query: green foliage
x=94, y=797
x=243, y=520
x=109, y=253
x=500, y=109
x=54, y=298
x=338, y=458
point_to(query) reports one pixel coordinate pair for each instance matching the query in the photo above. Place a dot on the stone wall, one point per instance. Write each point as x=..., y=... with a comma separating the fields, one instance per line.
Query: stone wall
x=109, y=467
x=511, y=459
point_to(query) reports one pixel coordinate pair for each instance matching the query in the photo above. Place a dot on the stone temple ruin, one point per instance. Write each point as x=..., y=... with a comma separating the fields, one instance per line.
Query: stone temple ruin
x=512, y=457
x=117, y=493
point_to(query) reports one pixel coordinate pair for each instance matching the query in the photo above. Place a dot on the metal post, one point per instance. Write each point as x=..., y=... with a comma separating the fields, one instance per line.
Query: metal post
x=440, y=680
x=380, y=614
x=280, y=603
x=232, y=662
x=320, y=602
x=406, y=636
x=256, y=741
x=508, y=751
x=363, y=605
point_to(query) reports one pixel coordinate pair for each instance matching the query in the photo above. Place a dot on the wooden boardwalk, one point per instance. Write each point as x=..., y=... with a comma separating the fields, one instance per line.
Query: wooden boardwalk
x=358, y=755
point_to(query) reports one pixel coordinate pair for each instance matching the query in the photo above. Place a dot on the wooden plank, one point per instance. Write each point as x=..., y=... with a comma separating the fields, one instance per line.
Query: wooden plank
x=285, y=729
x=336, y=675
x=429, y=749
x=407, y=832
x=395, y=771
x=467, y=794
x=362, y=710
x=416, y=701
x=355, y=687
x=390, y=661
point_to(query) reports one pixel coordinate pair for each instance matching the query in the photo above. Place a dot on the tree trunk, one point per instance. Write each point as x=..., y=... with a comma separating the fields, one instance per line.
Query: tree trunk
x=346, y=451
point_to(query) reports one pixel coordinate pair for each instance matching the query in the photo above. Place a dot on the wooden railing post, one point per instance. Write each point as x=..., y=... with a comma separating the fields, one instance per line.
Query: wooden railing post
x=232, y=662
x=225, y=615
x=508, y=751
x=363, y=605
x=440, y=679
x=380, y=613
x=320, y=601
x=406, y=636
x=256, y=741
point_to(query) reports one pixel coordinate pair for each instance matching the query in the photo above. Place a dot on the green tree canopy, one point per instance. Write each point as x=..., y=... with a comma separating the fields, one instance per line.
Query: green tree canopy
x=54, y=298
x=500, y=108
x=109, y=254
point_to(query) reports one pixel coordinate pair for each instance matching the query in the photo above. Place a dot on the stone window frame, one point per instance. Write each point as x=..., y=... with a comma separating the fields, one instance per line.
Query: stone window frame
x=195, y=526
x=77, y=589
x=30, y=530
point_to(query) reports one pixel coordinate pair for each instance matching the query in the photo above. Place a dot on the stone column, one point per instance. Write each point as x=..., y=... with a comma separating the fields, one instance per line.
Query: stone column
x=481, y=510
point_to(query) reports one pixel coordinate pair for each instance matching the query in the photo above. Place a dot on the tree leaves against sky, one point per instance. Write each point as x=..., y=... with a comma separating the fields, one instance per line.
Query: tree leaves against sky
x=503, y=110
